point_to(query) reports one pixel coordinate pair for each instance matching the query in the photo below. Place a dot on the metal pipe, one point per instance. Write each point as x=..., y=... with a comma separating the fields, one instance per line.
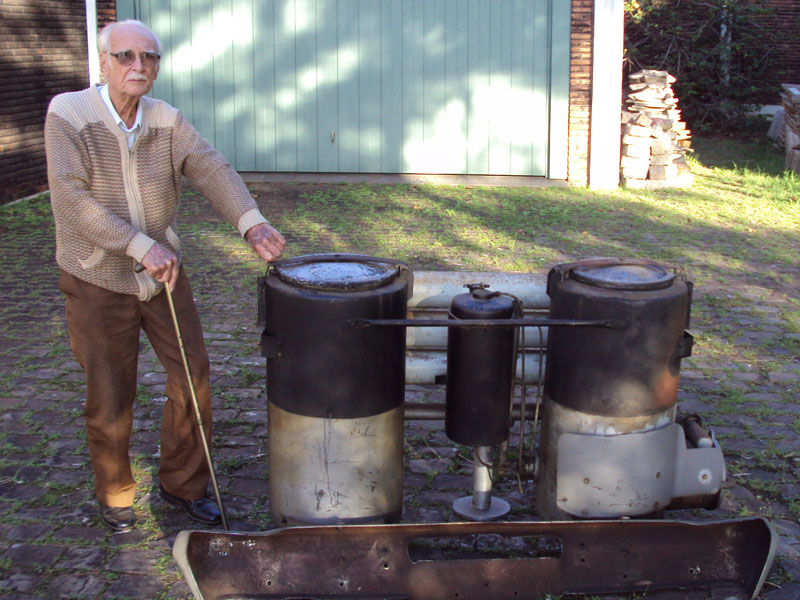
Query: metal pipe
x=484, y=323
x=426, y=366
x=482, y=478
x=424, y=411
x=435, y=289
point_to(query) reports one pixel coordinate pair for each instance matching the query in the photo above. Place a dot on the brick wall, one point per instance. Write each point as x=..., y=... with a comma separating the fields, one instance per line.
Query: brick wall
x=42, y=53
x=580, y=91
x=784, y=20
x=106, y=12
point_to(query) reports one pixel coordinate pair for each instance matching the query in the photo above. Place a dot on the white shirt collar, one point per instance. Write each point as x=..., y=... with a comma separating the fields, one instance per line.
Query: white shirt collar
x=107, y=99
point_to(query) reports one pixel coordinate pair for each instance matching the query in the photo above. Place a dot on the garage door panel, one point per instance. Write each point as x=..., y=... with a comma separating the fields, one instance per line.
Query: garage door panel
x=391, y=86
x=178, y=60
x=430, y=86
x=347, y=140
x=224, y=105
x=264, y=86
x=413, y=87
x=285, y=86
x=558, y=96
x=523, y=134
x=244, y=86
x=456, y=93
x=202, y=69
x=306, y=28
x=500, y=99
x=479, y=67
x=539, y=100
x=369, y=85
x=327, y=89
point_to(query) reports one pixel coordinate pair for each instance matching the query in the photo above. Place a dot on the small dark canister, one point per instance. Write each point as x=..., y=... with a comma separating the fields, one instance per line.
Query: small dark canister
x=480, y=369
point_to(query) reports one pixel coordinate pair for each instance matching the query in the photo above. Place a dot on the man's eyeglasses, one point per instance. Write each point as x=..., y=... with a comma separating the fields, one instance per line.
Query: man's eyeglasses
x=127, y=57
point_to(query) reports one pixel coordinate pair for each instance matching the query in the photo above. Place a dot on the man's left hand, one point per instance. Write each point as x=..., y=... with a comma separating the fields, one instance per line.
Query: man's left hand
x=266, y=241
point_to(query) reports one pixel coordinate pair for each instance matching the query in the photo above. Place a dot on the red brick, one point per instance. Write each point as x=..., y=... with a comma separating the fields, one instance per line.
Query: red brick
x=43, y=43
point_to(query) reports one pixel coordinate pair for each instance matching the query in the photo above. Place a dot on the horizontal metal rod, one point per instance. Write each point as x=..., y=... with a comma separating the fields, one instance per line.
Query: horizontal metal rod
x=470, y=323
x=427, y=411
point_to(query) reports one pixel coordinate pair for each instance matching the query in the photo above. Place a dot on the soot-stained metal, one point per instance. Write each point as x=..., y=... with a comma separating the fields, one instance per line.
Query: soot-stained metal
x=726, y=559
x=618, y=373
x=480, y=369
x=321, y=366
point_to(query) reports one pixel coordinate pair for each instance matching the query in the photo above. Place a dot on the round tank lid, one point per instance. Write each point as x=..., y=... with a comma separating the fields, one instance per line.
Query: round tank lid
x=337, y=276
x=625, y=276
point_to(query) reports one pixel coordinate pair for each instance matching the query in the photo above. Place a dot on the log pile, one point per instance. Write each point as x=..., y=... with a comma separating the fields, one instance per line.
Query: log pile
x=654, y=139
x=791, y=107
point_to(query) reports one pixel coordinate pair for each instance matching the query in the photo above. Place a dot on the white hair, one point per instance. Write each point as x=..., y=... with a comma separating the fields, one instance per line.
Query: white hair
x=104, y=35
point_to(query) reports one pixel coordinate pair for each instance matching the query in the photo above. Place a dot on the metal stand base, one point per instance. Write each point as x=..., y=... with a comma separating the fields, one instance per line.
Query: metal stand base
x=465, y=508
x=481, y=506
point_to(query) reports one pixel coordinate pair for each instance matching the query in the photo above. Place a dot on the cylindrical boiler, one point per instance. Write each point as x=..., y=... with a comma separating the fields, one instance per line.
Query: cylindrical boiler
x=335, y=393
x=602, y=384
x=480, y=369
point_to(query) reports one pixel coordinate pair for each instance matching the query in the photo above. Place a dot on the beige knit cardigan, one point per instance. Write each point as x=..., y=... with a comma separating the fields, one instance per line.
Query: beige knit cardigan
x=111, y=204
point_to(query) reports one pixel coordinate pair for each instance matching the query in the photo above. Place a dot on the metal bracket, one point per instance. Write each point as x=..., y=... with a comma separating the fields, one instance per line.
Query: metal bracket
x=271, y=347
x=685, y=345
x=261, y=319
x=464, y=560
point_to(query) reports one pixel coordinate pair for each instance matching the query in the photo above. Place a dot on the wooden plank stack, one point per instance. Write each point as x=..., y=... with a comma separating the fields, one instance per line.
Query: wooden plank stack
x=791, y=107
x=654, y=139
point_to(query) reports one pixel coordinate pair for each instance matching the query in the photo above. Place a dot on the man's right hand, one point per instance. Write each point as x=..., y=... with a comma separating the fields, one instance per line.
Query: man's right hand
x=162, y=265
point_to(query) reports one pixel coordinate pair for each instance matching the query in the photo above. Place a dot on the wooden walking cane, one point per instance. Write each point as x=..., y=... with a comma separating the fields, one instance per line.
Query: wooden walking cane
x=196, y=406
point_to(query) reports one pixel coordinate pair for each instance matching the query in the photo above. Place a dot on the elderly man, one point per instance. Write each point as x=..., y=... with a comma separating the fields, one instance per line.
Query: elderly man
x=115, y=159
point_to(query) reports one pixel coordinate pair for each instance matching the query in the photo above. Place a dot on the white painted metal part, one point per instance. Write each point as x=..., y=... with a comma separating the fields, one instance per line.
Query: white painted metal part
x=426, y=366
x=634, y=474
x=558, y=420
x=435, y=289
x=327, y=471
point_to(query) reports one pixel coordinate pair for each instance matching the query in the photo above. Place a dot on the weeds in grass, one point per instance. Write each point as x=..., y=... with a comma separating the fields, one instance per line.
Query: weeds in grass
x=736, y=228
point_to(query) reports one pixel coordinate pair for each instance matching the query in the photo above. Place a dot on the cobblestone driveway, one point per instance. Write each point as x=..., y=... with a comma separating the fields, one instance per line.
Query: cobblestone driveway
x=52, y=544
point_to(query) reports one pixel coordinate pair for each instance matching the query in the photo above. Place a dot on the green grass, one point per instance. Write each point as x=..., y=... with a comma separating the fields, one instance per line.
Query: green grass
x=735, y=229
x=736, y=213
x=735, y=232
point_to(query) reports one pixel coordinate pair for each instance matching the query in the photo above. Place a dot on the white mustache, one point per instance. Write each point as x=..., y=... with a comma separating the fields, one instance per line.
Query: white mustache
x=137, y=77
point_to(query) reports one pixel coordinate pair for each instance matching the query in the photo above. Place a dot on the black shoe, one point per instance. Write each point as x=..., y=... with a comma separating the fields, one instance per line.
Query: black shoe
x=204, y=510
x=118, y=518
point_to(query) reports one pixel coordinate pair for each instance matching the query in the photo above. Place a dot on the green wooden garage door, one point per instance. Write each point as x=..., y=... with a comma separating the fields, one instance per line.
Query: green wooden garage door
x=370, y=86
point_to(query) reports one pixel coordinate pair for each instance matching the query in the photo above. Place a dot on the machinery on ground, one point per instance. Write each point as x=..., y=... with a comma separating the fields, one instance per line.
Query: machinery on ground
x=339, y=334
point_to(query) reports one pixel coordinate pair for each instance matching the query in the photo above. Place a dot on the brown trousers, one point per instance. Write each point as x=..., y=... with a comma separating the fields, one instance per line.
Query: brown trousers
x=104, y=334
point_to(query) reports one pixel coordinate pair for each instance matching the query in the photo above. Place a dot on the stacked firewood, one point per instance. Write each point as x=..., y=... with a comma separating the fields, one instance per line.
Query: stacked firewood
x=654, y=139
x=791, y=108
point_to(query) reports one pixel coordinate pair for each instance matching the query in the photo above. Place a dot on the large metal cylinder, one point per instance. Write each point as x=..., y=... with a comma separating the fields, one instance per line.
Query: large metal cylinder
x=616, y=372
x=335, y=393
x=610, y=382
x=480, y=370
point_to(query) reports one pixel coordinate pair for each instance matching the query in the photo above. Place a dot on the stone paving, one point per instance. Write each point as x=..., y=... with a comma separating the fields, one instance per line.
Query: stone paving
x=52, y=544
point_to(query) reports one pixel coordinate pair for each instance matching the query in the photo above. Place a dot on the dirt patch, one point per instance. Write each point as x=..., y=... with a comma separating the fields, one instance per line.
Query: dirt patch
x=273, y=199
